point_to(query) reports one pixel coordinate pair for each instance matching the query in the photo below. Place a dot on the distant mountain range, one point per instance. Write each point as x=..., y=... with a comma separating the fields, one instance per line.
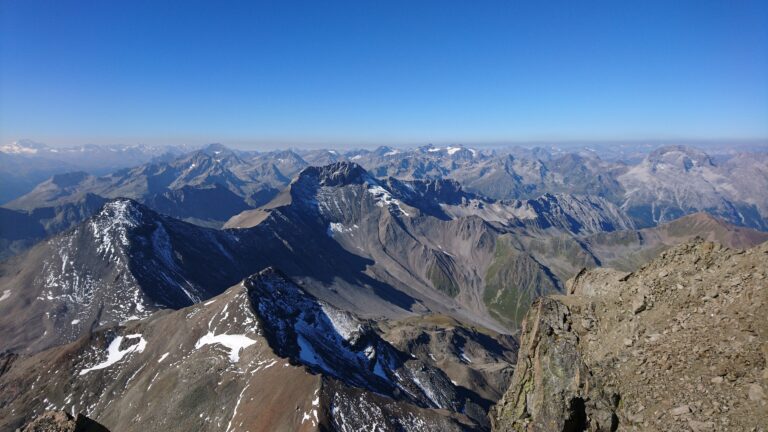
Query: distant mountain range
x=208, y=187
x=668, y=183
x=25, y=163
x=218, y=287
x=385, y=249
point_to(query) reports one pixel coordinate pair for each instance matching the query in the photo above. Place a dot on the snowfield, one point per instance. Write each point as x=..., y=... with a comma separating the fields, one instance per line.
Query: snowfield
x=234, y=343
x=114, y=354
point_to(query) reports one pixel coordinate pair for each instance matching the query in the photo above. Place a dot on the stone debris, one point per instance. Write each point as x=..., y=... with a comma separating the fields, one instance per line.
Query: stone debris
x=682, y=409
x=691, y=354
x=60, y=421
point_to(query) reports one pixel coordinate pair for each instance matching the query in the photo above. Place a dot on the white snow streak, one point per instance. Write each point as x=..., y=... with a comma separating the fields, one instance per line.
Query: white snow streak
x=114, y=354
x=233, y=342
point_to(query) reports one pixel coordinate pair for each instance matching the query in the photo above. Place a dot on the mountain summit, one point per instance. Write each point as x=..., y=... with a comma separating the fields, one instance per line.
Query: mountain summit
x=676, y=345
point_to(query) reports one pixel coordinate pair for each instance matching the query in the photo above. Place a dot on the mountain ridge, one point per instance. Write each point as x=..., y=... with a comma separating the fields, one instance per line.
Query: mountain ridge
x=675, y=345
x=228, y=337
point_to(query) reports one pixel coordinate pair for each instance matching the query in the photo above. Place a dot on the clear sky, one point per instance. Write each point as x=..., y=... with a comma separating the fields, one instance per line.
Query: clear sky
x=360, y=72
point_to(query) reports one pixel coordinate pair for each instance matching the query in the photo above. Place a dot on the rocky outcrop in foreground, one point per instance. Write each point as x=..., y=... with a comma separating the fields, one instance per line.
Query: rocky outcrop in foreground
x=681, y=344
x=60, y=421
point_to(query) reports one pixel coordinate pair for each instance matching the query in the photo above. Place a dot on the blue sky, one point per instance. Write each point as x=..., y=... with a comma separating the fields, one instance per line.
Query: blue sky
x=371, y=72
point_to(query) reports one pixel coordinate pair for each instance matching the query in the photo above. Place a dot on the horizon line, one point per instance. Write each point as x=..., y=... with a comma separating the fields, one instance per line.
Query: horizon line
x=237, y=143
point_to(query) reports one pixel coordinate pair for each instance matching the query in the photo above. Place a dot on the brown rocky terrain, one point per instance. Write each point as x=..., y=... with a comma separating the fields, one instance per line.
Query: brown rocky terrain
x=475, y=358
x=628, y=250
x=60, y=421
x=263, y=356
x=681, y=344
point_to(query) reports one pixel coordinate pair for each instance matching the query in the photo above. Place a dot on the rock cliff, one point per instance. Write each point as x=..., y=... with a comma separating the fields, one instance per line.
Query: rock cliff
x=680, y=344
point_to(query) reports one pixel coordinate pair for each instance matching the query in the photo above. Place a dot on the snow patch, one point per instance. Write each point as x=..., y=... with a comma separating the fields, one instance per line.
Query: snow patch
x=114, y=354
x=384, y=198
x=344, y=324
x=428, y=392
x=307, y=353
x=234, y=343
x=17, y=148
x=335, y=227
x=111, y=228
x=6, y=294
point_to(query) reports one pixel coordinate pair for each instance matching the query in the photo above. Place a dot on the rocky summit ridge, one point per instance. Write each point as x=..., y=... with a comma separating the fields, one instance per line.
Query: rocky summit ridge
x=264, y=355
x=680, y=344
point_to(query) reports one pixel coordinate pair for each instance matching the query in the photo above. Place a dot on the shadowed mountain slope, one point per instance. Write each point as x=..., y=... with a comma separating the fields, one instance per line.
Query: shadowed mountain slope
x=264, y=355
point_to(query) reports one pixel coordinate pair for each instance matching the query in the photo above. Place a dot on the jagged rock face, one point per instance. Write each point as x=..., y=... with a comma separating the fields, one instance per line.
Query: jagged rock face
x=338, y=344
x=552, y=388
x=60, y=421
x=478, y=360
x=677, y=345
x=336, y=174
x=363, y=237
x=212, y=367
x=577, y=215
x=123, y=263
x=513, y=174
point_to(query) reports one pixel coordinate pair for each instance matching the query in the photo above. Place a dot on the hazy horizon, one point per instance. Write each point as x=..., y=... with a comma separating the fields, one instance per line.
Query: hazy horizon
x=252, y=145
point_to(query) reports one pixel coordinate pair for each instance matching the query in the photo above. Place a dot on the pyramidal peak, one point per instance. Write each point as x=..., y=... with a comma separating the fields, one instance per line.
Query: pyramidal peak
x=114, y=221
x=123, y=211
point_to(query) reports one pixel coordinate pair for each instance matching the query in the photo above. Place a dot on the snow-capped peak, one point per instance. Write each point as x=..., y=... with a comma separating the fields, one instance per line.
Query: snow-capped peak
x=21, y=147
x=111, y=225
x=122, y=212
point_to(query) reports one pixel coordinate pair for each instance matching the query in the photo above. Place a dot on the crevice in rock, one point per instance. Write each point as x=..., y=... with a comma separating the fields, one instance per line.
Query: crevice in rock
x=577, y=416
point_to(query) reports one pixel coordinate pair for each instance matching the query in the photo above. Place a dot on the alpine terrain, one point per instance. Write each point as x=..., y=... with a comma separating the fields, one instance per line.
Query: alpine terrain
x=348, y=301
x=389, y=216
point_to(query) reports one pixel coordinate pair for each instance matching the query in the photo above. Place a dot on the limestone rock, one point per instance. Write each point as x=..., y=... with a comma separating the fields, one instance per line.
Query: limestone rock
x=681, y=410
x=552, y=388
x=640, y=371
x=60, y=421
x=756, y=393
